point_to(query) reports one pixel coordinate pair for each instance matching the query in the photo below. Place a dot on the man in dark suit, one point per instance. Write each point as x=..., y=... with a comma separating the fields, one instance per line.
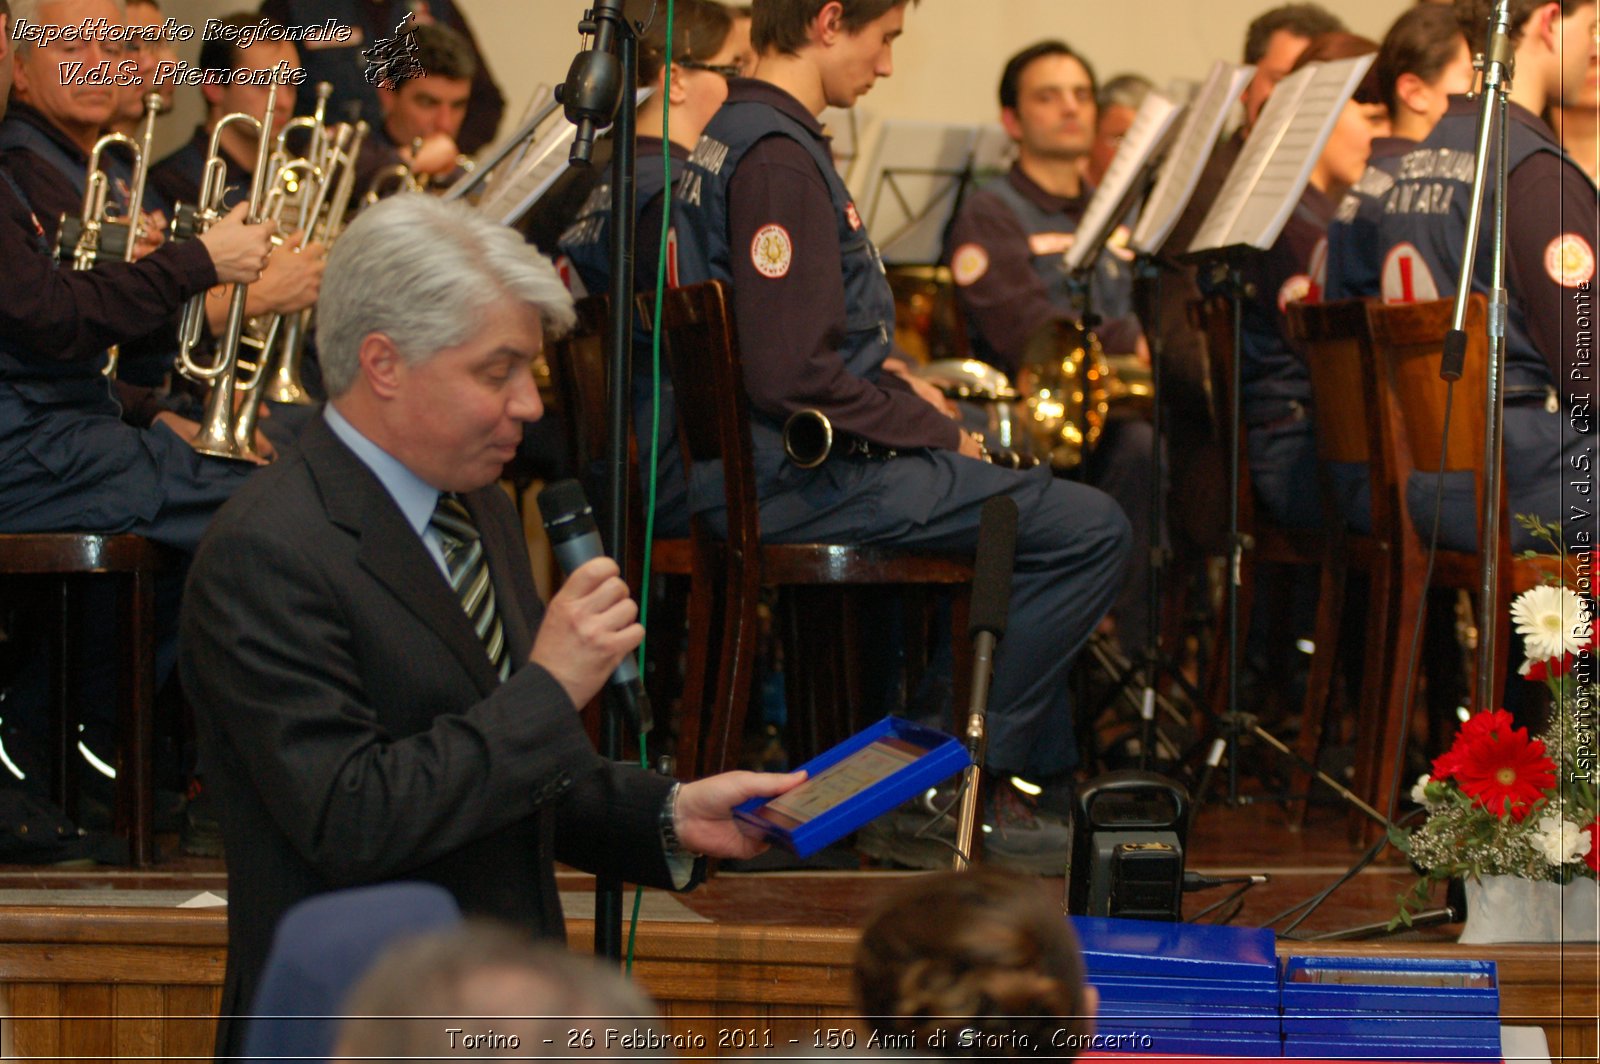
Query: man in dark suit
x=377, y=697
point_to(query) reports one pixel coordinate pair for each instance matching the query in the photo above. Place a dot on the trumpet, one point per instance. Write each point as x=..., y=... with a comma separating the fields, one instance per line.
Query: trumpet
x=216, y=436
x=84, y=238
x=397, y=177
x=809, y=439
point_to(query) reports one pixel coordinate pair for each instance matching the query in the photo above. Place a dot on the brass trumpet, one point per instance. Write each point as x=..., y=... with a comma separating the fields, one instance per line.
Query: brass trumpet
x=84, y=238
x=216, y=436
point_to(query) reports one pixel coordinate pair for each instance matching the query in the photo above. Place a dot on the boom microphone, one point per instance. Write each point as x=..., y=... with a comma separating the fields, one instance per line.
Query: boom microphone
x=575, y=539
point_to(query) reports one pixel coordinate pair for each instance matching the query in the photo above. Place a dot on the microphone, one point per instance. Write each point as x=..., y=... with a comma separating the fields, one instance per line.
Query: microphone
x=991, y=573
x=575, y=539
x=986, y=623
x=593, y=87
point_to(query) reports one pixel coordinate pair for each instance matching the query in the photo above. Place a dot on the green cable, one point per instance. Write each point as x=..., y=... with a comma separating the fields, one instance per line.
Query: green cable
x=655, y=416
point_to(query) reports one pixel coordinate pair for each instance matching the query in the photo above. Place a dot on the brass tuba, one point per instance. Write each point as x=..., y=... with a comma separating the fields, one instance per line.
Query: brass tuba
x=216, y=436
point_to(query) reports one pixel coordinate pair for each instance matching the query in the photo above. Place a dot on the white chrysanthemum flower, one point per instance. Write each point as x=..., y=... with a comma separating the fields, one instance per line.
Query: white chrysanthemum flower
x=1552, y=621
x=1560, y=840
x=1419, y=789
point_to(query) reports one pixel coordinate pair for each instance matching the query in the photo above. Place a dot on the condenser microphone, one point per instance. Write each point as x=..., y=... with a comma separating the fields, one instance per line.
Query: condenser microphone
x=574, y=540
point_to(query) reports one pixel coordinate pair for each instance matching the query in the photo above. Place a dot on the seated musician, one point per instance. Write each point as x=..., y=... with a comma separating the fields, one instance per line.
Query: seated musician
x=1275, y=403
x=341, y=64
x=422, y=116
x=291, y=280
x=1005, y=251
x=702, y=63
x=1550, y=263
x=815, y=319
x=1423, y=61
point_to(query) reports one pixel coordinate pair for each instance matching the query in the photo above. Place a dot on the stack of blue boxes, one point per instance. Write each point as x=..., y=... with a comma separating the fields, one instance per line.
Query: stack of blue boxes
x=1183, y=988
x=1219, y=992
x=1393, y=1008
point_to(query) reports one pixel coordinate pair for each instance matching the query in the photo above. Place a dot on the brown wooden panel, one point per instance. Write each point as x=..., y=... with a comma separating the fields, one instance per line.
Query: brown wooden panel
x=86, y=1020
x=36, y=1037
x=137, y=1029
x=112, y=964
x=133, y=926
x=191, y=1025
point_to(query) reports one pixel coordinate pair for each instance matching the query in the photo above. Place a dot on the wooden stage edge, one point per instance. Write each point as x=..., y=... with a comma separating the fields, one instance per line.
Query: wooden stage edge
x=98, y=983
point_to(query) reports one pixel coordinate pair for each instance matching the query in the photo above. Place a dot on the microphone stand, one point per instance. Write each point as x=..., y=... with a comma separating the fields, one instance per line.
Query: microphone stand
x=592, y=96
x=1493, y=127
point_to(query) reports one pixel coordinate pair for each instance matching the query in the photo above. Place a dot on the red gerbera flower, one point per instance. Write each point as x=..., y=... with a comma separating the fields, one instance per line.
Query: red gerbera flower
x=1474, y=729
x=1592, y=858
x=1499, y=767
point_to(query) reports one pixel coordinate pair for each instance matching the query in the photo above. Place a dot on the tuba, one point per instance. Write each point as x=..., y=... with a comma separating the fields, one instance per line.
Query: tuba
x=216, y=435
x=83, y=239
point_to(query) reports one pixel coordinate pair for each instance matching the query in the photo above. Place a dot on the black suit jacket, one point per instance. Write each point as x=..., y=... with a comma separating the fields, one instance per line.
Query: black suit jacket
x=351, y=727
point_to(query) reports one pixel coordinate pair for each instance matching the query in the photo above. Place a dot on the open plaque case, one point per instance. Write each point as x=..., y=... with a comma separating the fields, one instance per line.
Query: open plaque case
x=860, y=779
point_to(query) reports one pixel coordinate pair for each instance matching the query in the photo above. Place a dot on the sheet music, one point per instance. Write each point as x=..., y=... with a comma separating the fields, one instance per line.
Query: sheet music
x=495, y=183
x=1144, y=138
x=909, y=183
x=1180, y=174
x=1272, y=171
x=544, y=162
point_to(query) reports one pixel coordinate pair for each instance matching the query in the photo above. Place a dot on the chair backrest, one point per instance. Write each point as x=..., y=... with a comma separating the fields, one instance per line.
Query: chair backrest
x=578, y=364
x=1409, y=341
x=713, y=412
x=1352, y=399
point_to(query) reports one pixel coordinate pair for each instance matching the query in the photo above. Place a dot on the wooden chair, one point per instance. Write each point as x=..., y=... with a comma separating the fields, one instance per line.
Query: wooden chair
x=1353, y=426
x=1409, y=341
x=714, y=426
x=579, y=367
x=63, y=559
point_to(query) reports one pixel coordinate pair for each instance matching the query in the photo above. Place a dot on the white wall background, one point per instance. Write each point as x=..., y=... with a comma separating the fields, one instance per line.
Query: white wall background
x=946, y=65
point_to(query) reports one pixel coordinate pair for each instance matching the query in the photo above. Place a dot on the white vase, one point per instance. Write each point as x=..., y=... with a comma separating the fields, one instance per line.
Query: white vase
x=1513, y=909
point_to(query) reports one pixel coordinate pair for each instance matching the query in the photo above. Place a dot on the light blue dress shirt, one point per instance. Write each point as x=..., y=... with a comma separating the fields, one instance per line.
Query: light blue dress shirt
x=415, y=496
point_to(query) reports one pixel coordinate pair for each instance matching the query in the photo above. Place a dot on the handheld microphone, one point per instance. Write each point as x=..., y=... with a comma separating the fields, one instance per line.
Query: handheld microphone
x=574, y=540
x=593, y=88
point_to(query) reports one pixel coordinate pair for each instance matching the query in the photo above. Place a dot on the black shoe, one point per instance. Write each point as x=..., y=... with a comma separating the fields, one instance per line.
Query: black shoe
x=922, y=833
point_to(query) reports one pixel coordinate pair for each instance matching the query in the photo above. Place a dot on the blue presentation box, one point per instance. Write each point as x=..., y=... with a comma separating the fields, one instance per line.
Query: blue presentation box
x=857, y=781
x=1412, y=986
x=1156, y=1041
x=1215, y=1020
x=1429, y=1028
x=1187, y=951
x=1411, y=1050
x=1178, y=992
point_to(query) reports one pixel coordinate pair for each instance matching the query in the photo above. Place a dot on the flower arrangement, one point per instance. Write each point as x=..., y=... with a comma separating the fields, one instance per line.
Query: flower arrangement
x=1502, y=803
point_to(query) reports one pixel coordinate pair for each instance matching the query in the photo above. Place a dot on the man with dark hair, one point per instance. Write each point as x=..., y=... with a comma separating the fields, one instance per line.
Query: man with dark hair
x=1005, y=251
x=422, y=116
x=340, y=62
x=1272, y=44
x=1550, y=264
x=815, y=318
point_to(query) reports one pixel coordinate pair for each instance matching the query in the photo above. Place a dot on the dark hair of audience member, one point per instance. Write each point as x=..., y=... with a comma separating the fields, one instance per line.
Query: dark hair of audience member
x=982, y=950
x=502, y=993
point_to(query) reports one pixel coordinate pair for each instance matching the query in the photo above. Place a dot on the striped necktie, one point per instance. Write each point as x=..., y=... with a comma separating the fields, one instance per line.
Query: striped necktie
x=469, y=576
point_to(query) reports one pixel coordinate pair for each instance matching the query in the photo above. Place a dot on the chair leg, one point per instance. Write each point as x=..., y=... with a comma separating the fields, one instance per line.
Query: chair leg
x=135, y=811
x=741, y=635
x=1319, y=683
x=695, y=711
x=64, y=694
x=1382, y=717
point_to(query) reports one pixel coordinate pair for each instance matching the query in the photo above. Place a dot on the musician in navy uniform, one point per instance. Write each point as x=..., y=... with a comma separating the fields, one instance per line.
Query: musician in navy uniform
x=1423, y=61
x=428, y=108
x=1006, y=251
x=1550, y=263
x=816, y=320
x=705, y=58
x=341, y=63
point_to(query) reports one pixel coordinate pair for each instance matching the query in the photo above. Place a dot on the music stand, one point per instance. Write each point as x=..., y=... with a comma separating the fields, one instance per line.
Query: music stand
x=1250, y=211
x=912, y=178
x=541, y=105
x=539, y=168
